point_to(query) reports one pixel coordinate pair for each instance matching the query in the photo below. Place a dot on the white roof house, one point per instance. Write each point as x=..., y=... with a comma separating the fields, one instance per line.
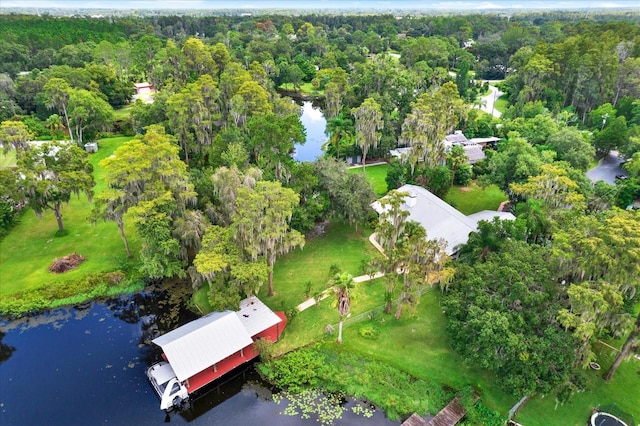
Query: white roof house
x=207, y=340
x=439, y=219
x=473, y=148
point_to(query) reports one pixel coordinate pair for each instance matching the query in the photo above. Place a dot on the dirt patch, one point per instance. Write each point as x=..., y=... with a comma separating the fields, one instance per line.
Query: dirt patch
x=464, y=189
x=63, y=264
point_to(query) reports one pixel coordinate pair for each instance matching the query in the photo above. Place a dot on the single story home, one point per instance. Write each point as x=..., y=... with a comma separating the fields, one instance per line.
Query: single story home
x=441, y=220
x=473, y=148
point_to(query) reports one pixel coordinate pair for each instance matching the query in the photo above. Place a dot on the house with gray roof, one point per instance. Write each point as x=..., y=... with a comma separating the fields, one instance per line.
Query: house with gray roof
x=441, y=220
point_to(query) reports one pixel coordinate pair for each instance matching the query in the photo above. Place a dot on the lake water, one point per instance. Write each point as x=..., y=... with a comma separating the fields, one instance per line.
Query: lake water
x=314, y=122
x=86, y=365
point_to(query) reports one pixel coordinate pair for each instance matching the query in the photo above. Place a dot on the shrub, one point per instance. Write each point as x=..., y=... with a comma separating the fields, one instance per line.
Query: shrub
x=369, y=332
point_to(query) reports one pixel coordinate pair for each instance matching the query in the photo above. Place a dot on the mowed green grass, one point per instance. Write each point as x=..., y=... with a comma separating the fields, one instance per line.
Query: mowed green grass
x=305, y=89
x=8, y=159
x=32, y=245
x=123, y=113
x=304, y=273
x=472, y=199
x=501, y=104
x=376, y=175
x=341, y=245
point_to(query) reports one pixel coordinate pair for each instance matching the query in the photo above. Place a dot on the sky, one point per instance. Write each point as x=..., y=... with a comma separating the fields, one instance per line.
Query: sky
x=322, y=4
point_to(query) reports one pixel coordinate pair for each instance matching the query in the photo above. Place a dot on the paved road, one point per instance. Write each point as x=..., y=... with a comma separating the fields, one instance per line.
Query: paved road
x=488, y=101
x=607, y=169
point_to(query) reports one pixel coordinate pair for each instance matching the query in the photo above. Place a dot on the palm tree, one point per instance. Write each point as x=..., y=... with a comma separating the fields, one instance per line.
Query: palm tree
x=54, y=124
x=536, y=218
x=340, y=132
x=343, y=284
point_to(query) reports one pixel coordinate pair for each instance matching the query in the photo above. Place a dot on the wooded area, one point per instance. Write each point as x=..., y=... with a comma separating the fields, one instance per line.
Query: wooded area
x=209, y=185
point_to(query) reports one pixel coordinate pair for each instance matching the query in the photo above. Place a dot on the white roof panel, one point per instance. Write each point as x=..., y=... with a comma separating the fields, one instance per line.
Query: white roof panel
x=441, y=220
x=256, y=316
x=201, y=343
x=205, y=341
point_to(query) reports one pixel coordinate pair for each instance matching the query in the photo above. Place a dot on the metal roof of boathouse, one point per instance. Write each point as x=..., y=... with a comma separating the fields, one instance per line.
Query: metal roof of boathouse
x=205, y=341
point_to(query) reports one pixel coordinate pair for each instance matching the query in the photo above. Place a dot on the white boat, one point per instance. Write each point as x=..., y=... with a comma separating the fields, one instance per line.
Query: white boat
x=171, y=392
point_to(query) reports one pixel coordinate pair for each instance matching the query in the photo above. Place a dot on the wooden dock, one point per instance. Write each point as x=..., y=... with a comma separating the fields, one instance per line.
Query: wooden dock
x=448, y=416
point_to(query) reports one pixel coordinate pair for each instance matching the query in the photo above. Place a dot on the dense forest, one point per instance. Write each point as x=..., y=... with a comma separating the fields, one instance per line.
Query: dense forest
x=212, y=191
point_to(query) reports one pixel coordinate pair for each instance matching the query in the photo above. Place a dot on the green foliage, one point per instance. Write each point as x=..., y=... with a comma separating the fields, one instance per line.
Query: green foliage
x=503, y=317
x=69, y=292
x=479, y=414
x=295, y=371
x=368, y=331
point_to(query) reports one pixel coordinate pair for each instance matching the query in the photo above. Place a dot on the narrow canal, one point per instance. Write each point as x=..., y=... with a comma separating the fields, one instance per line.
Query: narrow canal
x=85, y=365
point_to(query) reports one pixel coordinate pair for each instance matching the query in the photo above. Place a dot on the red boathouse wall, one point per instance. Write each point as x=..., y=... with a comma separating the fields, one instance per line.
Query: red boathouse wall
x=248, y=353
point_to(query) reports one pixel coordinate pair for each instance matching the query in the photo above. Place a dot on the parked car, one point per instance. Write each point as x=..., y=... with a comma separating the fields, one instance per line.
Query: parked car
x=621, y=177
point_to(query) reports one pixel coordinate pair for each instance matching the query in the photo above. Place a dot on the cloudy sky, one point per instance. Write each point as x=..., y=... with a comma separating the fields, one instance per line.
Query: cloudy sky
x=322, y=4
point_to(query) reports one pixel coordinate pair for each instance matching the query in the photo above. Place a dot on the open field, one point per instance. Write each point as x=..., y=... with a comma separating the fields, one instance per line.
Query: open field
x=34, y=243
x=123, y=113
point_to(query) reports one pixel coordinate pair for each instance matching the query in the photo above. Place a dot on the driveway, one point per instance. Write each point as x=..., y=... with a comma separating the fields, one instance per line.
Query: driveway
x=607, y=169
x=489, y=100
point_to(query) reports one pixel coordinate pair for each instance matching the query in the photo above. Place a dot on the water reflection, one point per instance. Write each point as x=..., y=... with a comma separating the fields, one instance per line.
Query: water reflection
x=86, y=365
x=5, y=350
x=315, y=124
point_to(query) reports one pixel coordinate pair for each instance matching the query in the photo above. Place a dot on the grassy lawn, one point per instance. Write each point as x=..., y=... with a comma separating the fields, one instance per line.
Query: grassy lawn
x=123, y=113
x=376, y=175
x=33, y=244
x=501, y=104
x=472, y=199
x=304, y=273
x=8, y=160
x=305, y=89
x=419, y=344
x=623, y=390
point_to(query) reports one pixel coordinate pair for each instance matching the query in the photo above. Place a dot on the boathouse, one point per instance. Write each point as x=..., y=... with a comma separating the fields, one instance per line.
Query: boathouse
x=205, y=349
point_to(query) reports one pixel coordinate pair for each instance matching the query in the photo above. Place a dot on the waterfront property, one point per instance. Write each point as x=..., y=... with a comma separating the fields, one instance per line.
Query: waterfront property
x=203, y=350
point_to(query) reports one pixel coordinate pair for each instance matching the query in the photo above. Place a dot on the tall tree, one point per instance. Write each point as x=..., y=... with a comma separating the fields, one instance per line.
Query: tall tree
x=368, y=120
x=223, y=265
x=14, y=135
x=88, y=112
x=502, y=316
x=271, y=142
x=629, y=346
x=145, y=174
x=57, y=92
x=192, y=113
x=53, y=172
x=226, y=183
x=262, y=222
x=432, y=116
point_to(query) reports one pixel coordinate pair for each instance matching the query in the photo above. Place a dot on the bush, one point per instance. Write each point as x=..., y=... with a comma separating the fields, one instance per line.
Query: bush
x=369, y=332
x=295, y=371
